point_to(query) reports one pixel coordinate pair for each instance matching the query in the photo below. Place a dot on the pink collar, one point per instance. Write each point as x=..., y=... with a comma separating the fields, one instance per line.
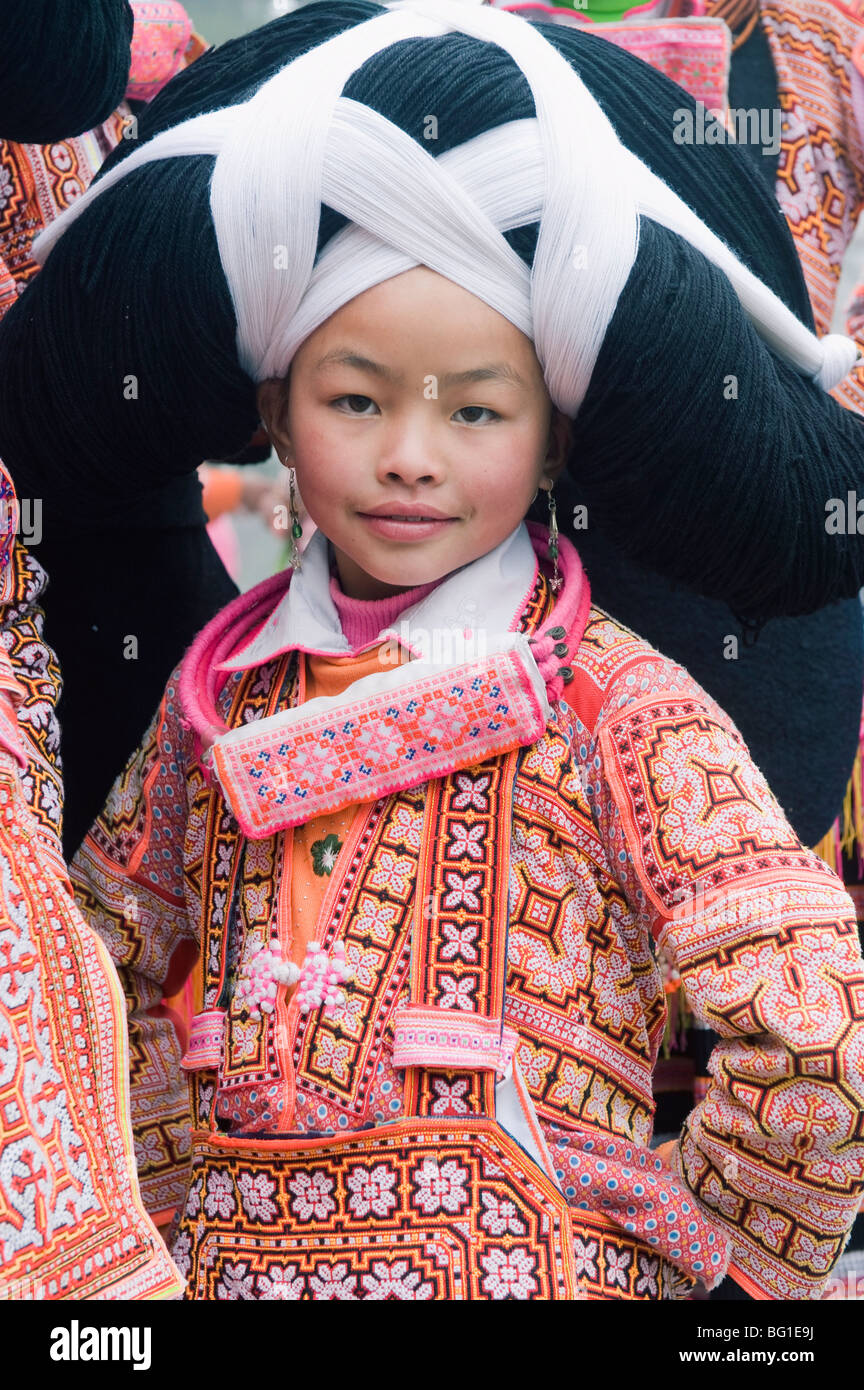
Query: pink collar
x=201, y=679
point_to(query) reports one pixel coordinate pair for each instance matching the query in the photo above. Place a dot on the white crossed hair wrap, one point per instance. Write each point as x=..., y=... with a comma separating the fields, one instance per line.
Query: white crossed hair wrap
x=298, y=143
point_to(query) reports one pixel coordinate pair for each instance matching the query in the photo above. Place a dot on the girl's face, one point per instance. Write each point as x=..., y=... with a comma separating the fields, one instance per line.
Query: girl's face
x=415, y=394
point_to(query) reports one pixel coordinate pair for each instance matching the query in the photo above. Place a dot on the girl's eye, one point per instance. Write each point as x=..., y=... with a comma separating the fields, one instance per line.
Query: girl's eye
x=355, y=405
x=474, y=411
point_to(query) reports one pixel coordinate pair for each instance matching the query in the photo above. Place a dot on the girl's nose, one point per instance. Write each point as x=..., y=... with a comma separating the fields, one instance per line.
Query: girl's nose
x=410, y=454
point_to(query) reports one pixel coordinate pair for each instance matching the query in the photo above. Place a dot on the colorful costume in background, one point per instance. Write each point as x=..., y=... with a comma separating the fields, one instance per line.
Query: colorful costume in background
x=433, y=1079
x=804, y=60
x=89, y=621
x=817, y=50
x=38, y=181
x=72, y=1225
x=71, y=1220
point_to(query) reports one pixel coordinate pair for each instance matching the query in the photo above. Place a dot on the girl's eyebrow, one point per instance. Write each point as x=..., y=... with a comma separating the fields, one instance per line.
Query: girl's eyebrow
x=343, y=357
x=495, y=371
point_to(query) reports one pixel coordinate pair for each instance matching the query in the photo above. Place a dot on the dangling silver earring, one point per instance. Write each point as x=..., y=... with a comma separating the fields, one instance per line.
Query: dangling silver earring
x=296, y=528
x=556, y=581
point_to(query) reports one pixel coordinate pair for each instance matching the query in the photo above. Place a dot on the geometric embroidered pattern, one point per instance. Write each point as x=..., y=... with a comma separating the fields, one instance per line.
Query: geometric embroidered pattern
x=445, y=1038
x=159, y=40
x=133, y=895
x=820, y=175
x=37, y=672
x=459, y=942
x=417, y=1210
x=368, y=909
x=412, y=1211
x=693, y=53
x=692, y=799
x=41, y=181
x=71, y=1223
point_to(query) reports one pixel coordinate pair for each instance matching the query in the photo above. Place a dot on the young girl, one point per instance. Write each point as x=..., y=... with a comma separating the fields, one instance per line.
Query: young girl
x=429, y=897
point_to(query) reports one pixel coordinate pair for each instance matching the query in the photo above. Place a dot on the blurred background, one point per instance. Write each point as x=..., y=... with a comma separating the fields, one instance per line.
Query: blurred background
x=218, y=20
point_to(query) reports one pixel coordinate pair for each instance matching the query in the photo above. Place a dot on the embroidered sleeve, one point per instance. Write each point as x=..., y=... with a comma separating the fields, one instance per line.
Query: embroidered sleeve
x=30, y=682
x=72, y=1221
x=766, y=943
x=38, y=685
x=128, y=880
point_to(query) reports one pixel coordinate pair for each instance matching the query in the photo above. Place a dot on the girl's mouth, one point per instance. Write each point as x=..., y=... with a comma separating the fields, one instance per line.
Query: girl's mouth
x=406, y=528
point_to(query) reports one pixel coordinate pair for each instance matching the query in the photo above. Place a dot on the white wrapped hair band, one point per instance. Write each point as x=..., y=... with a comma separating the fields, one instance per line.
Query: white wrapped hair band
x=298, y=143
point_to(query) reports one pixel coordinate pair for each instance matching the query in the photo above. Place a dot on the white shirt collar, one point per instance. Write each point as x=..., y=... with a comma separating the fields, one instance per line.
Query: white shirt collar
x=486, y=596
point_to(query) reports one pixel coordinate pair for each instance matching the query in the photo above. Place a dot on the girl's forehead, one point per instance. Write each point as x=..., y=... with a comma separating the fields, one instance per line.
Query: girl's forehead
x=423, y=309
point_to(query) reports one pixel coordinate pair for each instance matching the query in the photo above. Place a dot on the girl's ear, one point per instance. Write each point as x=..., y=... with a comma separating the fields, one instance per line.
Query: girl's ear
x=560, y=434
x=272, y=399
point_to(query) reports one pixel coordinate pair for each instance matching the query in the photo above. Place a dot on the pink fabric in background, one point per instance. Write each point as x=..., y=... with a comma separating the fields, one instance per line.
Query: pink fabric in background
x=694, y=51
x=159, y=40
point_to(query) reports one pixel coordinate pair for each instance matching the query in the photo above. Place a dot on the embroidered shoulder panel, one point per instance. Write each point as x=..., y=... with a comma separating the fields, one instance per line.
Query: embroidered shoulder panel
x=692, y=804
x=607, y=649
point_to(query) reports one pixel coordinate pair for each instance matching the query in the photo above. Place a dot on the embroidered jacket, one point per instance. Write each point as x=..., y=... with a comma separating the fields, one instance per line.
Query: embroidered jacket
x=638, y=825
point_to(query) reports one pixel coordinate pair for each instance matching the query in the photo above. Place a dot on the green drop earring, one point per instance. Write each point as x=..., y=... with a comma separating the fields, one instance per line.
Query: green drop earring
x=296, y=528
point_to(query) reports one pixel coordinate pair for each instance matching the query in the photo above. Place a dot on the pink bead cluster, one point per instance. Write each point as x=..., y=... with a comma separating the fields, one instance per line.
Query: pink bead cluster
x=321, y=977
x=260, y=978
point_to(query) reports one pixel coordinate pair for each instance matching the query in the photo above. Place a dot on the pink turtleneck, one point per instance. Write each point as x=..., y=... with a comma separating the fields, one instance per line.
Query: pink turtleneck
x=363, y=618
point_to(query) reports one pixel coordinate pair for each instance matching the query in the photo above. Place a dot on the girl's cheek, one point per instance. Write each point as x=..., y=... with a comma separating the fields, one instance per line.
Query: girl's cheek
x=318, y=435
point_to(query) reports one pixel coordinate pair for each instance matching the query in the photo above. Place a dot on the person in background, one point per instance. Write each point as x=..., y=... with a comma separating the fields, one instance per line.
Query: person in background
x=166, y=579
x=72, y=1224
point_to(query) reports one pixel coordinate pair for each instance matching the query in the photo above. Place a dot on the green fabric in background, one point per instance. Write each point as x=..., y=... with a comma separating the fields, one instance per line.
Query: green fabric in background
x=603, y=11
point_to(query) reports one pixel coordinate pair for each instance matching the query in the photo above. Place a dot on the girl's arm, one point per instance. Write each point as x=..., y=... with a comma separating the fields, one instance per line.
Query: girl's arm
x=129, y=883
x=766, y=943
